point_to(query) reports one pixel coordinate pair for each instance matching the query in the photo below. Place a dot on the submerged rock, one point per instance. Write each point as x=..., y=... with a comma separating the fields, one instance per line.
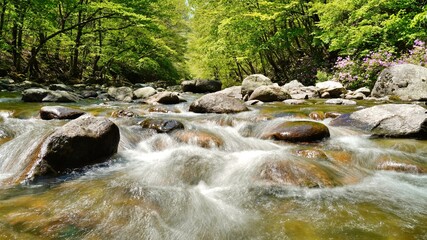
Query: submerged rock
x=162, y=125
x=59, y=112
x=254, y=81
x=122, y=113
x=79, y=143
x=389, y=120
x=217, y=103
x=201, y=138
x=298, y=131
x=405, y=81
x=288, y=172
x=269, y=94
x=201, y=86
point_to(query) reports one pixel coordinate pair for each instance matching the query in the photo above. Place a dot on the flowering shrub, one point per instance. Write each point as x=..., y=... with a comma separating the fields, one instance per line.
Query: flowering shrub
x=358, y=73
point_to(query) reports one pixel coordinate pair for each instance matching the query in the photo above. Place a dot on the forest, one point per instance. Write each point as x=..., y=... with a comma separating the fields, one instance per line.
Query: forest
x=139, y=41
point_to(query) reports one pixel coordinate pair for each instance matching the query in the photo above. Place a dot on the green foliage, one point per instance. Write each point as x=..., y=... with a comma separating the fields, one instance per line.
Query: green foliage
x=99, y=39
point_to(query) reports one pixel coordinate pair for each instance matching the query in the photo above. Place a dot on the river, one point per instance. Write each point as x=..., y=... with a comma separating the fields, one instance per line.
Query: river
x=242, y=187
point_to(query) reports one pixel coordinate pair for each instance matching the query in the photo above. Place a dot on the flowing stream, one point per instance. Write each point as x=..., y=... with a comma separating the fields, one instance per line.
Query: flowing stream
x=240, y=187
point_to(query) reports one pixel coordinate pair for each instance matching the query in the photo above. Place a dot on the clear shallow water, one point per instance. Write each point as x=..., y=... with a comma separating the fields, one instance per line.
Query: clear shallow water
x=157, y=187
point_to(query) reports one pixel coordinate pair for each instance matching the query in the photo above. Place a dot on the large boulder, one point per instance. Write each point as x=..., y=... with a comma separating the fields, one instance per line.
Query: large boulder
x=235, y=91
x=298, y=131
x=44, y=95
x=59, y=112
x=251, y=82
x=122, y=94
x=406, y=81
x=79, y=143
x=217, y=103
x=298, y=91
x=145, y=92
x=330, y=89
x=270, y=93
x=389, y=120
x=201, y=86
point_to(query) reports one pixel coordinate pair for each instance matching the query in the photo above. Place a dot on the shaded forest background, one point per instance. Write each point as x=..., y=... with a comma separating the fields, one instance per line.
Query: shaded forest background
x=138, y=41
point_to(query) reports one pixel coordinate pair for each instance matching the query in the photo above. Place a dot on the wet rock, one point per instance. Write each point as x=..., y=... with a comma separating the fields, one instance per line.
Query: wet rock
x=165, y=98
x=343, y=157
x=334, y=89
x=59, y=112
x=318, y=115
x=122, y=113
x=145, y=92
x=79, y=143
x=340, y=101
x=270, y=93
x=298, y=131
x=44, y=95
x=235, y=92
x=162, y=125
x=217, y=103
x=201, y=138
x=89, y=94
x=158, y=109
x=399, y=167
x=312, y=154
x=201, y=86
x=254, y=81
x=295, y=102
x=405, y=81
x=332, y=115
x=122, y=94
x=301, y=174
x=389, y=120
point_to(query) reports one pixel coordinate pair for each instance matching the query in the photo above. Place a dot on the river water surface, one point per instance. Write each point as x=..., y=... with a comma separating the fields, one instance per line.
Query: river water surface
x=157, y=187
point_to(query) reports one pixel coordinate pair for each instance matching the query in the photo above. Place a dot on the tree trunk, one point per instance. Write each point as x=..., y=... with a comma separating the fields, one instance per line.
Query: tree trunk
x=74, y=71
x=2, y=16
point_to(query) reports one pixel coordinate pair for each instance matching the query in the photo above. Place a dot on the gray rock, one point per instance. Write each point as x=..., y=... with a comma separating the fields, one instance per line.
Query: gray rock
x=79, y=143
x=201, y=86
x=340, y=101
x=389, y=120
x=335, y=89
x=89, y=94
x=34, y=94
x=406, y=81
x=363, y=90
x=44, y=95
x=292, y=85
x=355, y=95
x=235, y=92
x=145, y=92
x=59, y=112
x=122, y=94
x=217, y=103
x=270, y=93
x=294, y=101
x=251, y=82
x=165, y=98
x=61, y=96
